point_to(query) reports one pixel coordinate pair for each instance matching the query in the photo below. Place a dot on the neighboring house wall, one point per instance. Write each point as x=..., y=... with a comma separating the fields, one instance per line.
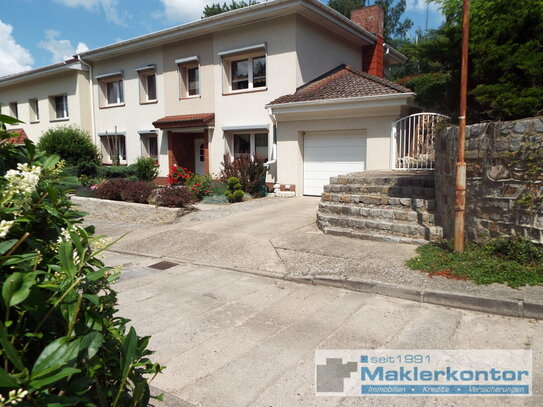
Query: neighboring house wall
x=70, y=82
x=319, y=50
x=135, y=114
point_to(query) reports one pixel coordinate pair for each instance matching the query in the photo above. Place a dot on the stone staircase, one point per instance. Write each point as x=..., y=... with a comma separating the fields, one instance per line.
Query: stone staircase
x=388, y=206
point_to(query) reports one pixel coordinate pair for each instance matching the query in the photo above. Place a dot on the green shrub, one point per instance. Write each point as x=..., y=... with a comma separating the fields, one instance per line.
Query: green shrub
x=215, y=200
x=251, y=173
x=115, y=171
x=234, y=192
x=73, y=145
x=62, y=342
x=145, y=169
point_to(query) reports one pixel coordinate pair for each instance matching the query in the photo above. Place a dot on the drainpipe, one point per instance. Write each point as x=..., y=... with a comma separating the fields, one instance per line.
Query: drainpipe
x=274, y=130
x=91, y=84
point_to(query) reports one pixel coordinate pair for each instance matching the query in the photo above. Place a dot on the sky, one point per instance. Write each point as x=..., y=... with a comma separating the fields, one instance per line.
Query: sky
x=35, y=33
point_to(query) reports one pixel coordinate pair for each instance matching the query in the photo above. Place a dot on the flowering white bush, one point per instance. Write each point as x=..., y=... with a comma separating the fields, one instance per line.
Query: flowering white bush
x=24, y=179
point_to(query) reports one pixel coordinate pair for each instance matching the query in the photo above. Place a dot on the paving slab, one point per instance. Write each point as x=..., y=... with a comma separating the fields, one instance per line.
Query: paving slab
x=256, y=348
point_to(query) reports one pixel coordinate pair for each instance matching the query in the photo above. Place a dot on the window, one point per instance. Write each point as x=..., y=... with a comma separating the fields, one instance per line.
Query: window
x=113, y=149
x=189, y=72
x=148, y=91
x=151, y=87
x=14, y=110
x=193, y=81
x=59, y=105
x=248, y=73
x=114, y=92
x=240, y=74
x=150, y=145
x=254, y=145
x=34, y=110
x=111, y=90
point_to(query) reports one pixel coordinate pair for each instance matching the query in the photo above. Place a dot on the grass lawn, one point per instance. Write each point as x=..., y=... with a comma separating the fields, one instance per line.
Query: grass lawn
x=512, y=261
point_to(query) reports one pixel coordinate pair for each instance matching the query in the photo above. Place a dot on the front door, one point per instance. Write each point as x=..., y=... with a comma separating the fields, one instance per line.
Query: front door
x=199, y=156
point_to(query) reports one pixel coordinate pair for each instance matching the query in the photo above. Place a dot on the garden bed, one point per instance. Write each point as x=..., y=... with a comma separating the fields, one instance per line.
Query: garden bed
x=128, y=211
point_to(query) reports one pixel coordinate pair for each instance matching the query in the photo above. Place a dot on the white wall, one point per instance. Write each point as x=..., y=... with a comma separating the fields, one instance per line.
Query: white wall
x=377, y=126
x=70, y=82
x=319, y=50
x=133, y=116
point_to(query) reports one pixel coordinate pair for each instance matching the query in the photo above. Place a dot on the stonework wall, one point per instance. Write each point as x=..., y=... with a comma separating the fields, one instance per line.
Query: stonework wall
x=499, y=157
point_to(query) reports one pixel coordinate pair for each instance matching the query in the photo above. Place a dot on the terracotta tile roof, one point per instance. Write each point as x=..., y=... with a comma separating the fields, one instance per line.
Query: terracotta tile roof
x=342, y=82
x=184, y=121
x=19, y=139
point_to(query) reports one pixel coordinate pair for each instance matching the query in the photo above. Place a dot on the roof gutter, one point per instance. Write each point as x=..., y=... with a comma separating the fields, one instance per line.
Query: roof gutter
x=36, y=73
x=231, y=19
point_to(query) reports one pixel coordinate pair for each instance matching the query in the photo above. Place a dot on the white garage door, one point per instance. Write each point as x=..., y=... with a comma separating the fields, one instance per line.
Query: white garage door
x=329, y=154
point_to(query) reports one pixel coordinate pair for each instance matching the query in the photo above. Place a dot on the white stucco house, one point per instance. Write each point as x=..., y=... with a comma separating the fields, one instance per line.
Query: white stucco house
x=290, y=80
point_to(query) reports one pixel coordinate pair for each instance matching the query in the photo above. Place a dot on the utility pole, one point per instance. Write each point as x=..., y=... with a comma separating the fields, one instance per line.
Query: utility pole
x=460, y=182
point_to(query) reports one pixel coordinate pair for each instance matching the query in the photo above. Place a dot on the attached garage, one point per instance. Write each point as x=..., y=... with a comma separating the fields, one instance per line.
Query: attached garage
x=330, y=153
x=339, y=123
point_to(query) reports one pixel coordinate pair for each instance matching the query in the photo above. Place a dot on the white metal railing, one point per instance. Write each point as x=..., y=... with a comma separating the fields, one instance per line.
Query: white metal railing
x=412, y=141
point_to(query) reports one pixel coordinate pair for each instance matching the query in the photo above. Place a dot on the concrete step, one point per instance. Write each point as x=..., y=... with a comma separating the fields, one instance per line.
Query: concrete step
x=420, y=216
x=393, y=191
x=375, y=200
x=388, y=227
x=424, y=181
x=369, y=235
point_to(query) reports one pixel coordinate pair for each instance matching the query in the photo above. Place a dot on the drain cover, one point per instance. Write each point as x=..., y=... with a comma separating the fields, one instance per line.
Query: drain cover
x=163, y=265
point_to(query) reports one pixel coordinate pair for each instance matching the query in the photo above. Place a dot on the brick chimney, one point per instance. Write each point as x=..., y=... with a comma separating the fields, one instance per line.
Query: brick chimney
x=372, y=18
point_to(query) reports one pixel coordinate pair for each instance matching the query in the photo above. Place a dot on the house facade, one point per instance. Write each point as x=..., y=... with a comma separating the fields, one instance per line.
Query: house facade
x=190, y=94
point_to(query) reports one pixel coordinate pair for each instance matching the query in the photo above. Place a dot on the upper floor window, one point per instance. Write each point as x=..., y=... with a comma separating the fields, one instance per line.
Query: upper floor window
x=189, y=73
x=14, y=110
x=148, y=91
x=111, y=90
x=59, y=107
x=244, y=69
x=34, y=110
x=249, y=73
x=115, y=93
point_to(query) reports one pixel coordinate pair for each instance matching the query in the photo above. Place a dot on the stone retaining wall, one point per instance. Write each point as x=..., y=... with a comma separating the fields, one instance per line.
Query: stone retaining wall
x=128, y=212
x=498, y=177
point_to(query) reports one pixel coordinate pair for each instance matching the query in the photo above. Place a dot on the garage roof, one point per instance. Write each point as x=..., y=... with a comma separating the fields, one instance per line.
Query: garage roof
x=341, y=83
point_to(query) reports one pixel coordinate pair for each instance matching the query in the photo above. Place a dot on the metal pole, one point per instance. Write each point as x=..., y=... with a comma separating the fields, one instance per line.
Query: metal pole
x=460, y=184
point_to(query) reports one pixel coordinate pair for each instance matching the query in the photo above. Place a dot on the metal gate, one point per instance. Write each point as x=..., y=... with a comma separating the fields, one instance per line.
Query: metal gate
x=412, y=141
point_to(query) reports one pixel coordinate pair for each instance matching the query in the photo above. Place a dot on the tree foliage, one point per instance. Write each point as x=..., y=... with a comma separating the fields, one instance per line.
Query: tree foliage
x=394, y=26
x=61, y=341
x=506, y=58
x=218, y=8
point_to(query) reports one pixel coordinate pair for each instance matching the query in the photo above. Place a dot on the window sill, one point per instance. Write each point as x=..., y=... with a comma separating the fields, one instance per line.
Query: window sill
x=149, y=102
x=112, y=106
x=238, y=92
x=191, y=97
x=34, y=122
x=60, y=119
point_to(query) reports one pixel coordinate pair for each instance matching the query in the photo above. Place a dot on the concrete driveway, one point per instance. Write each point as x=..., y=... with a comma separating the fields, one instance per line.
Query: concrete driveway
x=270, y=236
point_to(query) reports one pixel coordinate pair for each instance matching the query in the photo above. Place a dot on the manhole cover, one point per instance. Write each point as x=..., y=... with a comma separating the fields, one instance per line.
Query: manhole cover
x=163, y=265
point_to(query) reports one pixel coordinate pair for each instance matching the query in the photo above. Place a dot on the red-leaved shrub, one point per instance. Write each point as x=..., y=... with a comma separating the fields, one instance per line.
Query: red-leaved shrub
x=112, y=189
x=118, y=189
x=175, y=197
x=137, y=191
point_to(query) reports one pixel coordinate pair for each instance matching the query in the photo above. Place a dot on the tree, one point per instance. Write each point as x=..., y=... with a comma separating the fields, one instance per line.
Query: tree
x=217, y=8
x=506, y=58
x=394, y=27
